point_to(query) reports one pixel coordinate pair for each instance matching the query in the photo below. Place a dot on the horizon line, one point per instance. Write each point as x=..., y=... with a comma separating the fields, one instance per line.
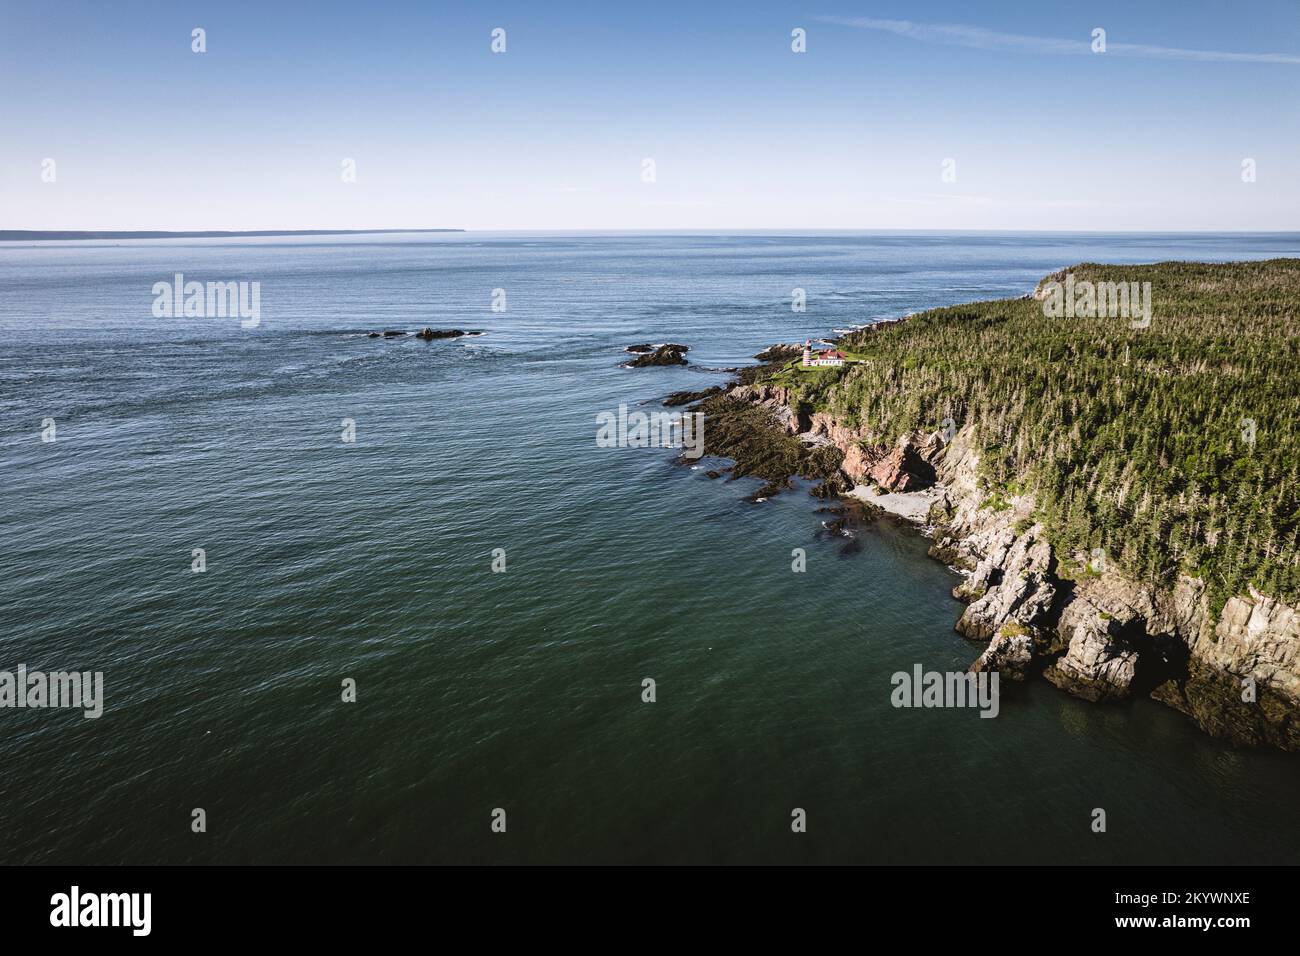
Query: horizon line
x=72, y=235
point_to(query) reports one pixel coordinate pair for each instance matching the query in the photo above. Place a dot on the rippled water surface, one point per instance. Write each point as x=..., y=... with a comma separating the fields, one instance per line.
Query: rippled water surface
x=521, y=690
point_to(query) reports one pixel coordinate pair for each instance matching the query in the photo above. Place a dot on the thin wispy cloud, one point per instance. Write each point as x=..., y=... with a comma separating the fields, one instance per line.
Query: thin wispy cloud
x=959, y=34
x=678, y=203
x=935, y=199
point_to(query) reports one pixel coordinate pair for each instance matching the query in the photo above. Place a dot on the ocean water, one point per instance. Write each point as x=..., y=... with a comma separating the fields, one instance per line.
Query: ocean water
x=520, y=690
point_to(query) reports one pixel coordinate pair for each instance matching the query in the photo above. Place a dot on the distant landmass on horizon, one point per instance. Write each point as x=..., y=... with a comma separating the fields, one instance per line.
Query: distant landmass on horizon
x=12, y=234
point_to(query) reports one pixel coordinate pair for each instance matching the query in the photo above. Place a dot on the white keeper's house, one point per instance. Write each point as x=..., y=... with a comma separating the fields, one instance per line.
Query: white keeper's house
x=829, y=357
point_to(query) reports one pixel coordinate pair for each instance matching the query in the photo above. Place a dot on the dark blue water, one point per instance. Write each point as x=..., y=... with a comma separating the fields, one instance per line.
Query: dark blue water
x=519, y=690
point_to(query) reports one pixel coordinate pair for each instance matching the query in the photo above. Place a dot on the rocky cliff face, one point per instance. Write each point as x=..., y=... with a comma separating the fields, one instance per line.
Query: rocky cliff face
x=1241, y=678
x=905, y=466
x=1091, y=632
x=1099, y=636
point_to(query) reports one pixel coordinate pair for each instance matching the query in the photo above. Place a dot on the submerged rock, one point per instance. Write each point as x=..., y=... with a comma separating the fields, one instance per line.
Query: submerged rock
x=769, y=490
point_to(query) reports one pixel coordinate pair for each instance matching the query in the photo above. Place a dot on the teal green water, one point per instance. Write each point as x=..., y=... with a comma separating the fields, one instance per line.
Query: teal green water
x=519, y=690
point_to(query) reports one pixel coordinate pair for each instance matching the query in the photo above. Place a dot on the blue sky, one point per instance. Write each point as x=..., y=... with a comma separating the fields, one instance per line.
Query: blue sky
x=744, y=133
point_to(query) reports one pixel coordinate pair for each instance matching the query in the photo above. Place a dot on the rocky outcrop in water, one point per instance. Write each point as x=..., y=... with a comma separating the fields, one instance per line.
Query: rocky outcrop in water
x=429, y=334
x=670, y=354
x=426, y=333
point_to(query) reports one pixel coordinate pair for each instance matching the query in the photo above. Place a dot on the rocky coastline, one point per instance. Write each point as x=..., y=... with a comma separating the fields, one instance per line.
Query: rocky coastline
x=1031, y=612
